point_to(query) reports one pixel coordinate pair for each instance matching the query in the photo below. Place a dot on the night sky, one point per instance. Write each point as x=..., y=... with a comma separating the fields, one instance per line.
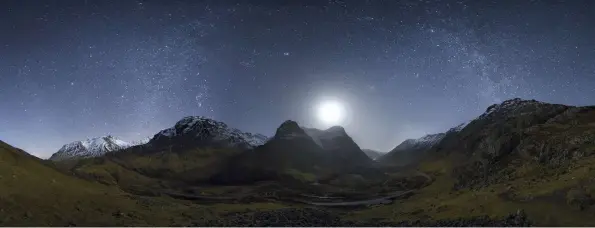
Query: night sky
x=74, y=69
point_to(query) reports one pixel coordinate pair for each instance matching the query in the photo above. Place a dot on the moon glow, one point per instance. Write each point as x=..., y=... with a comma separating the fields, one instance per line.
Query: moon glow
x=331, y=112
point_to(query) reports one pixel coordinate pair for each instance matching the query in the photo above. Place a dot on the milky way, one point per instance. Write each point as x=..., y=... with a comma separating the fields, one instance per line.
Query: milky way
x=76, y=69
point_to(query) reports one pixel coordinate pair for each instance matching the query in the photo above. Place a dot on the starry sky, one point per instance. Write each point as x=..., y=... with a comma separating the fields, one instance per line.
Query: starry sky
x=75, y=69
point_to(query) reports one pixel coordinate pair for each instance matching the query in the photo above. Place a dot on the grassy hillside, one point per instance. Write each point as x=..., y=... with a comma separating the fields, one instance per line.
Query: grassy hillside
x=150, y=168
x=35, y=194
x=561, y=196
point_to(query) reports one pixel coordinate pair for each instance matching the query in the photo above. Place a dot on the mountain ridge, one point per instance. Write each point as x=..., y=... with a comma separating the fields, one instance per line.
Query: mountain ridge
x=92, y=147
x=304, y=150
x=411, y=150
x=202, y=131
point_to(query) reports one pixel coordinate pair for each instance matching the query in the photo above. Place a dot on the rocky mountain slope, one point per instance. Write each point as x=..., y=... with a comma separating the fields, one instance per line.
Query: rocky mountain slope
x=501, y=131
x=340, y=145
x=410, y=150
x=516, y=130
x=425, y=142
x=198, y=131
x=90, y=148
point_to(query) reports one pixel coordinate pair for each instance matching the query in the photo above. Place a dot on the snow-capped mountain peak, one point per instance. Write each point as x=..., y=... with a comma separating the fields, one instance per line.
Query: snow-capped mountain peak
x=459, y=127
x=202, y=130
x=93, y=147
x=507, y=106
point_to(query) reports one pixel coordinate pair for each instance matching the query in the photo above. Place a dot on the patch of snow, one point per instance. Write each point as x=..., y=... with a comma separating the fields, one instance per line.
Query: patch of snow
x=142, y=141
x=459, y=127
x=423, y=142
x=254, y=139
x=429, y=139
x=508, y=105
x=170, y=132
x=121, y=143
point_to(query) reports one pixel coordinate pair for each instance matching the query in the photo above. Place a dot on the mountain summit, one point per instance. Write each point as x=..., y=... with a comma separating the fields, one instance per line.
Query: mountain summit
x=90, y=148
x=202, y=131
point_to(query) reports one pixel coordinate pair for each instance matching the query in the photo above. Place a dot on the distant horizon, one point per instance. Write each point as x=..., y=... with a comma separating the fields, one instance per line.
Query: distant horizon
x=45, y=156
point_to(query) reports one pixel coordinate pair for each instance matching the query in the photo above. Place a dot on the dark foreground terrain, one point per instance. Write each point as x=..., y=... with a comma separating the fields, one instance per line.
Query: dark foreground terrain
x=320, y=217
x=521, y=163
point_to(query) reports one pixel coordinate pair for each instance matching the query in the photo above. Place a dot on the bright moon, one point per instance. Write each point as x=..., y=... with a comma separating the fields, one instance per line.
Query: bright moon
x=331, y=112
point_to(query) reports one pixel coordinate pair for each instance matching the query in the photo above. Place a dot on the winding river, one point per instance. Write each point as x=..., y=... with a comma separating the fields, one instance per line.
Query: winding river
x=381, y=200
x=368, y=202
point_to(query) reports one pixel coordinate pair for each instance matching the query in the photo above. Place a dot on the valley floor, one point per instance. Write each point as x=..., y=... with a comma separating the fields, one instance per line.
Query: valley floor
x=60, y=200
x=56, y=199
